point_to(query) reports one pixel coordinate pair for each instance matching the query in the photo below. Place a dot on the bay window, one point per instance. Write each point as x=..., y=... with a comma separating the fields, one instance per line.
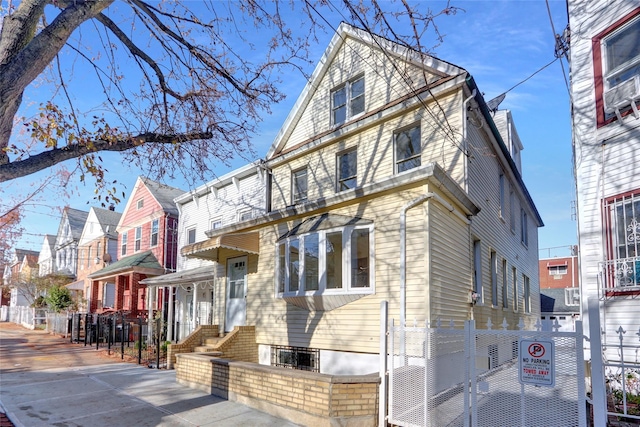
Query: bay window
x=326, y=262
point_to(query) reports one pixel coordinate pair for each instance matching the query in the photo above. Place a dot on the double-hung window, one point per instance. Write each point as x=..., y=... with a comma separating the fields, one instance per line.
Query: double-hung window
x=123, y=245
x=138, y=241
x=154, y=232
x=191, y=235
x=408, y=149
x=524, y=228
x=347, y=100
x=347, y=169
x=617, y=68
x=326, y=262
x=621, y=54
x=299, y=186
x=622, y=230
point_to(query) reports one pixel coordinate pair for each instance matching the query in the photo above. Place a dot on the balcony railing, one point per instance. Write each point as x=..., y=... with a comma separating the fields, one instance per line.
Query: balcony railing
x=620, y=276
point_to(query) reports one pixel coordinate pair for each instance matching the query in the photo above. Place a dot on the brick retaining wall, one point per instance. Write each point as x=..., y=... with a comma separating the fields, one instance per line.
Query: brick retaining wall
x=306, y=398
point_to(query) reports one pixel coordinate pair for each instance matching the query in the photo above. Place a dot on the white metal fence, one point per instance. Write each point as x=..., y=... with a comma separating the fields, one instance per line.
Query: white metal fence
x=443, y=376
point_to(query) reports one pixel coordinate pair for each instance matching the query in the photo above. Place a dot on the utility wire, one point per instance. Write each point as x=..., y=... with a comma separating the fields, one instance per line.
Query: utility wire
x=536, y=72
x=560, y=48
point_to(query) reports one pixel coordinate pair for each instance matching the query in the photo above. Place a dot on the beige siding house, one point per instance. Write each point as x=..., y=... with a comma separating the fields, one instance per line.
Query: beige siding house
x=389, y=181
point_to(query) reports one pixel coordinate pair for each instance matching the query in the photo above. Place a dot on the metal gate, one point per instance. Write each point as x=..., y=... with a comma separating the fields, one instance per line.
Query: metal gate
x=448, y=376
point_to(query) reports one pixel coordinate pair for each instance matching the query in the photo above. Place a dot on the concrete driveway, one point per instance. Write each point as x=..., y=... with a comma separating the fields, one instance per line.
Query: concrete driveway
x=47, y=381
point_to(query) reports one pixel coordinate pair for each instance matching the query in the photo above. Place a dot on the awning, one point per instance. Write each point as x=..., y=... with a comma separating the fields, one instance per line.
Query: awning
x=324, y=222
x=182, y=277
x=556, y=263
x=144, y=262
x=76, y=286
x=246, y=243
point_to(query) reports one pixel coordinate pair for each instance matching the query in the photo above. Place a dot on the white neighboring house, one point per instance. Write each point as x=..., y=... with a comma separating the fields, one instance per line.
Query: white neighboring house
x=17, y=276
x=46, y=258
x=198, y=287
x=605, y=90
x=66, y=247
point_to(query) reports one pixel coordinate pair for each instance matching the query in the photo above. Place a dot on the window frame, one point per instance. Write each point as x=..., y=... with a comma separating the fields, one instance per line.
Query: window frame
x=514, y=284
x=296, y=196
x=524, y=227
x=558, y=270
x=526, y=293
x=603, y=119
x=349, y=99
x=340, y=180
x=569, y=297
x=512, y=211
x=505, y=285
x=140, y=203
x=477, y=271
x=156, y=223
x=215, y=223
x=188, y=232
x=502, y=189
x=283, y=257
x=137, y=243
x=396, y=161
x=123, y=243
x=493, y=266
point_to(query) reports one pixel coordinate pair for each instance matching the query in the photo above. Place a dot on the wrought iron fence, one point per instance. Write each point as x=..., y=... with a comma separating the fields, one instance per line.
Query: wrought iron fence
x=121, y=335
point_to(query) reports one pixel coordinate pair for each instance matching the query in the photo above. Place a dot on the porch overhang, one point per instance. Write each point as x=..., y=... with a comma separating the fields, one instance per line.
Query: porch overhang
x=244, y=243
x=193, y=275
x=75, y=286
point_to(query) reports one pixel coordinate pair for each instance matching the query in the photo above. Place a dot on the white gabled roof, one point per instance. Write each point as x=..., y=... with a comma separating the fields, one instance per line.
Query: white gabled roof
x=344, y=31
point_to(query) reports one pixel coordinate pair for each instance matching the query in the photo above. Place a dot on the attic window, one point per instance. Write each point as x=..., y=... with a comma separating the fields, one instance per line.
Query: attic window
x=140, y=204
x=347, y=100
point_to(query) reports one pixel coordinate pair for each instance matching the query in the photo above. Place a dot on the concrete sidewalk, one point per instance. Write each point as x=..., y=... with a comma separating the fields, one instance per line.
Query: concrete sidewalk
x=105, y=394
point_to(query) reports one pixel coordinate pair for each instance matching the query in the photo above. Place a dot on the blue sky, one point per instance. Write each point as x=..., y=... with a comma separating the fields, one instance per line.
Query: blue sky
x=500, y=43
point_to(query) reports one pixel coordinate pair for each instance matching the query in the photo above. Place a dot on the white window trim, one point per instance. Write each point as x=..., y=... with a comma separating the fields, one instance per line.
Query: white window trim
x=137, y=241
x=346, y=264
x=123, y=243
x=339, y=180
x=503, y=194
x=296, y=200
x=524, y=227
x=396, y=161
x=348, y=99
x=215, y=221
x=139, y=203
x=151, y=233
x=186, y=233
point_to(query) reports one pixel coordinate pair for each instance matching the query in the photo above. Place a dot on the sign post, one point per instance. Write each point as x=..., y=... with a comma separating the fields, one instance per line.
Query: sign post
x=536, y=362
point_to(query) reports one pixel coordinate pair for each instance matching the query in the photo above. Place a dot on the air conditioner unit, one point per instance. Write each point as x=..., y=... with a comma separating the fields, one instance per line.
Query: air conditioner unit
x=622, y=95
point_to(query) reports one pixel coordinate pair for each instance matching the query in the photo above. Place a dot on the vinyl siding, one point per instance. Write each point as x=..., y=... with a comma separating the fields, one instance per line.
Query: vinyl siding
x=495, y=234
x=384, y=81
x=606, y=158
x=375, y=153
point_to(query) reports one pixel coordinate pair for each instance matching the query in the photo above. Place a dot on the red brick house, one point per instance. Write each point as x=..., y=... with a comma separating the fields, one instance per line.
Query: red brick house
x=147, y=247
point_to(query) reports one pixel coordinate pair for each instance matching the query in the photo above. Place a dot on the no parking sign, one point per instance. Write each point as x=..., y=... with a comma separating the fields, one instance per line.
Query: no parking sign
x=536, y=362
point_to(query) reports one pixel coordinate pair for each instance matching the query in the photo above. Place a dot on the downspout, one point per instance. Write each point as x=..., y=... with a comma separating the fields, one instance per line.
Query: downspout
x=403, y=248
x=464, y=138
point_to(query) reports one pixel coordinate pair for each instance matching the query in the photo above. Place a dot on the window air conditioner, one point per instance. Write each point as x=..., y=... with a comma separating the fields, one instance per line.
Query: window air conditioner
x=621, y=95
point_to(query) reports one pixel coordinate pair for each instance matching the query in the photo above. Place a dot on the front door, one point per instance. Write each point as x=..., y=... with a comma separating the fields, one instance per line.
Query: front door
x=236, y=293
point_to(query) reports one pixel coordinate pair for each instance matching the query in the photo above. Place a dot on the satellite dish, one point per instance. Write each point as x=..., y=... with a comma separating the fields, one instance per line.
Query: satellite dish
x=493, y=104
x=107, y=258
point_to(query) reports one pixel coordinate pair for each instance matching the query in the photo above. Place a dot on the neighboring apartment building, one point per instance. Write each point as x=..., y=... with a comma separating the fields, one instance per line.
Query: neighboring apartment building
x=197, y=289
x=147, y=247
x=559, y=292
x=47, y=256
x=66, y=246
x=390, y=180
x=605, y=91
x=18, y=275
x=97, y=248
